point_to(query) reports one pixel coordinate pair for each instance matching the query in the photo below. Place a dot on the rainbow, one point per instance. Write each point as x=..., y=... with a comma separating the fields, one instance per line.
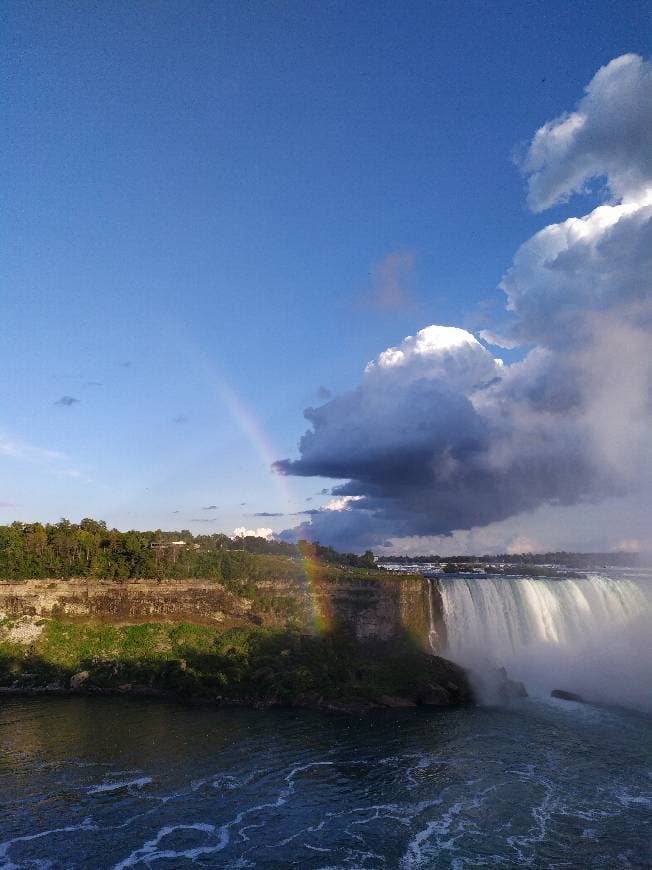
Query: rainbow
x=252, y=429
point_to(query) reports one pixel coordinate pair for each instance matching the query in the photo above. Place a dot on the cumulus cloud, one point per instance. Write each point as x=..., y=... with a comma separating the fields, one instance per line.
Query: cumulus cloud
x=595, y=263
x=243, y=532
x=609, y=136
x=440, y=437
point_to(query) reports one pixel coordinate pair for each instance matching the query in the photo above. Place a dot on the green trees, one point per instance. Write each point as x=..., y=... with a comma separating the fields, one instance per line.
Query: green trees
x=90, y=549
x=315, y=550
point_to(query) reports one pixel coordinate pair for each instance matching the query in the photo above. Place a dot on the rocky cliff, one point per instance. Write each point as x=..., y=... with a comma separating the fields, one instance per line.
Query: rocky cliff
x=325, y=640
x=375, y=608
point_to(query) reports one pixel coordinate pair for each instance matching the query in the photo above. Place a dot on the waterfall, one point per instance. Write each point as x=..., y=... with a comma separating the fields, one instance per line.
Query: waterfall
x=433, y=634
x=589, y=635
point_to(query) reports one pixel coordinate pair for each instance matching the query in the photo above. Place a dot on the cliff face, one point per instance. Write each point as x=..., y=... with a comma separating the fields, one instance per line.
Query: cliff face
x=339, y=642
x=374, y=608
x=133, y=603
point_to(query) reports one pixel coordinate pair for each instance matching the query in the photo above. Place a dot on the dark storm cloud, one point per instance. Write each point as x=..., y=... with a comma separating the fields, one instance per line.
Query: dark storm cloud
x=439, y=436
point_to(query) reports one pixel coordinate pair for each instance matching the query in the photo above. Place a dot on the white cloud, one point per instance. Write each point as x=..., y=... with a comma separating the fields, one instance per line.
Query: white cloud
x=27, y=452
x=609, y=135
x=243, y=532
x=56, y=462
x=343, y=503
x=598, y=262
x=444, y=352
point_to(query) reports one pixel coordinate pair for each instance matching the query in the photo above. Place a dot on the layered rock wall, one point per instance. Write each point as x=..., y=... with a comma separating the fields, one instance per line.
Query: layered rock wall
x=377, y=608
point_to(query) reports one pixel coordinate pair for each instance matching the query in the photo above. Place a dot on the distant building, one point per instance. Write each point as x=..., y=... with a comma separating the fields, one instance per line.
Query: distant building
x=163, y=545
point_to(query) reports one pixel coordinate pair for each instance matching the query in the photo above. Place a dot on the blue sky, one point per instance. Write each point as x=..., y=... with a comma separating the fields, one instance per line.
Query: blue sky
x=200, y=201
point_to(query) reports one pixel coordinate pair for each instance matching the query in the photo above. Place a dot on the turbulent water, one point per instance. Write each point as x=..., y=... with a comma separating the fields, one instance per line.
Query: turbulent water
x=591, y=636
x=113, y=782
x=116, y=782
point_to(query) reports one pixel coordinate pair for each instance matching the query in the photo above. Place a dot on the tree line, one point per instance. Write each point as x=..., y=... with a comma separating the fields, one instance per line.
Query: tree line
x=91, y=549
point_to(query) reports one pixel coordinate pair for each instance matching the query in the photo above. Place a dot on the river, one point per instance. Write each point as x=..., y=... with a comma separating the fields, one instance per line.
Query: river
x=117, y=782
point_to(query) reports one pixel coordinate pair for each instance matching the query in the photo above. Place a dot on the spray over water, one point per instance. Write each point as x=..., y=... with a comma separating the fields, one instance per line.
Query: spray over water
x=589, y=635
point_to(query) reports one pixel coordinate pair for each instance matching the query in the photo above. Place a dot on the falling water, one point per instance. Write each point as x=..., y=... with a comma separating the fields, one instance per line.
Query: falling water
x=433, y=634
x=589, y=635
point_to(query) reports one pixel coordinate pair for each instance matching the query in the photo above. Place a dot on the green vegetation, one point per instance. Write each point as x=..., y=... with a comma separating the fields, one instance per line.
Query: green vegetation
x=90, y=549
x=244, y=665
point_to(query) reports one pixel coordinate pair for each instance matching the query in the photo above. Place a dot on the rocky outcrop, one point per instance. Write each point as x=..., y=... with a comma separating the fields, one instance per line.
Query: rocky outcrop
x=78, y=680
x=563, y=695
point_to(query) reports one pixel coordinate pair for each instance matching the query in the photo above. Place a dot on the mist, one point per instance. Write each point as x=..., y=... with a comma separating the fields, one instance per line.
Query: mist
x=588, y=636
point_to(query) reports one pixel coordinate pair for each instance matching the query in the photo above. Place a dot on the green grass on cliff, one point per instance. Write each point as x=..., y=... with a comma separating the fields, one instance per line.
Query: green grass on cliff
x=241, y=664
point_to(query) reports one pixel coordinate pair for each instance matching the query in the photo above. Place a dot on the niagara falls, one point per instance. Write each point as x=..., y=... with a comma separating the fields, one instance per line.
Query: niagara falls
x=326, y=435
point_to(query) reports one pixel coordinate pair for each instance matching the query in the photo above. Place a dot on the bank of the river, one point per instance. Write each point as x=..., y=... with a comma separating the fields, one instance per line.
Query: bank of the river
x=200, y=663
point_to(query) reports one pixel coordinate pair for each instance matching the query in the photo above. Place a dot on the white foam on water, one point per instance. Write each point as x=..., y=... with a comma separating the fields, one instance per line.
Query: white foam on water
x=150, y=850
x=139, y=782
x=87, y=825
x=442, y=833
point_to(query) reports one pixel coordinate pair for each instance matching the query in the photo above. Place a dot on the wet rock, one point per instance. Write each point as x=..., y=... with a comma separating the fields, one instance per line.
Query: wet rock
x=78, y=680
x=54, y=687
x=508, y=689
x=494, y=686
x=436, y=696
x=566, y=696
x=511, y=690
x=395, y=701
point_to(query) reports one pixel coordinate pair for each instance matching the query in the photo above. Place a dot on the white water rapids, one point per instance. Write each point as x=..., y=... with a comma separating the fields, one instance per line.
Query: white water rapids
x=589, y=635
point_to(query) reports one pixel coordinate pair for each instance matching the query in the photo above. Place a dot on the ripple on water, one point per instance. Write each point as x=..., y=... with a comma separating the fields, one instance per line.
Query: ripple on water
x=529, y=787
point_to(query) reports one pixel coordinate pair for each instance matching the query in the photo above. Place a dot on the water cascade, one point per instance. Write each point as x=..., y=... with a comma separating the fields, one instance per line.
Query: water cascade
x=589, y=635
x=433, y=634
